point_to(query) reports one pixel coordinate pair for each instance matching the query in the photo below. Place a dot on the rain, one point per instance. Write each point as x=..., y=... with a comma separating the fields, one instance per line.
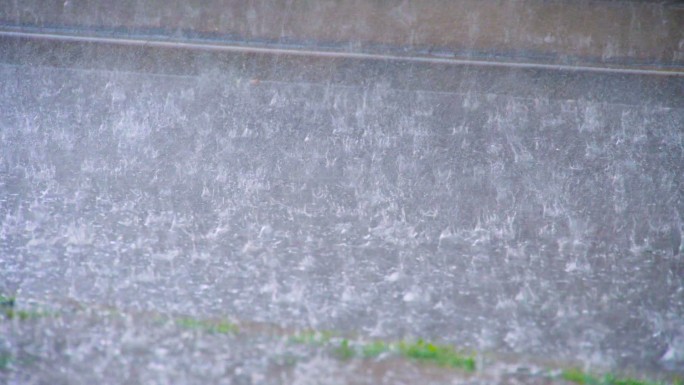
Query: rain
x=341, y=193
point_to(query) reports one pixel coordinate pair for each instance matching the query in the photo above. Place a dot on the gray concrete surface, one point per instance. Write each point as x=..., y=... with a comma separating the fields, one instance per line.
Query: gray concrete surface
x=521, y=212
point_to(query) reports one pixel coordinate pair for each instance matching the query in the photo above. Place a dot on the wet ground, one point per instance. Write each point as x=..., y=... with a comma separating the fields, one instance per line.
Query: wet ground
x=545, y=226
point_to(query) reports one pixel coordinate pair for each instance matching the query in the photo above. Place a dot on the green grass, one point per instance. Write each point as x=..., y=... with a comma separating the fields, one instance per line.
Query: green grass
x=344, y=348
x=375, y=349
x=312, y=337
x=419, y=350
x=6, y=302
x=5, y=361
x=344, y=351
x=25, y=315
x=218, y=327
x=441, y=355
x=580, y=377
x=8, y=310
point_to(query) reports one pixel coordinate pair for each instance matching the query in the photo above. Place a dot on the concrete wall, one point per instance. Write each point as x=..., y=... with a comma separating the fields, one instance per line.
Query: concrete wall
x=623, y=33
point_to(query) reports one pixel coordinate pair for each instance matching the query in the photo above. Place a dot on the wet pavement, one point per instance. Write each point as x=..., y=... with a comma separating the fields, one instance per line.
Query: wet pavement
x=540, y=226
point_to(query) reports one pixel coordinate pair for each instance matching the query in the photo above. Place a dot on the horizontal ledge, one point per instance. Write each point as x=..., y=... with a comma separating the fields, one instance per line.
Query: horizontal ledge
x=197, y=44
